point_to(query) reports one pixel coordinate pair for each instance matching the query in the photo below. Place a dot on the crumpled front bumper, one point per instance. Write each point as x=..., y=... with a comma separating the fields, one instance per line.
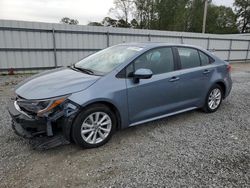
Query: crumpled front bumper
x=25, y=125
x=29, y=126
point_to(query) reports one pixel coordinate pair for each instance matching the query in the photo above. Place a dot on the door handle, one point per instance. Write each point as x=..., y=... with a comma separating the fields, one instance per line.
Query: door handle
x=206, y=71
x=174, y=78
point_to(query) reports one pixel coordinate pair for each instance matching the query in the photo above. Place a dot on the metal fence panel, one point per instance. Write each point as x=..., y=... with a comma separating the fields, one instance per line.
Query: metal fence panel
x=219, y=44
x=221, y=54
x=198, y=42
x=237, y=55
x=241, y=45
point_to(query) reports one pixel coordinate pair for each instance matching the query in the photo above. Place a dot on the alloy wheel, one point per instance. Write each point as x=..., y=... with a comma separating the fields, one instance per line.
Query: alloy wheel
x=214, y=98
x=96, y=127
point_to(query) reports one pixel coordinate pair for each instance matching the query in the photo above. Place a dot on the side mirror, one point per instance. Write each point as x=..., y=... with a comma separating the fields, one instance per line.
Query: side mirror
x=142, y=74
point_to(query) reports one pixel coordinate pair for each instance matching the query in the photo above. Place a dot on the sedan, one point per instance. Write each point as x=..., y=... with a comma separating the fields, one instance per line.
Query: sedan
x=118, y=87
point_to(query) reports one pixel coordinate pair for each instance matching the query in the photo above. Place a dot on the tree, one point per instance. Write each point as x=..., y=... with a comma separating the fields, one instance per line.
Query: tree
x=242, y=8
x=220, y=19
x=161, y=14
x=172, y=15
x=224, y=20
x=123, y=10
x=109, y=22
x=122, y=23
x=134, y=24
x=145, y=13
x=95, y=24
x=195, y=16
x=67, y=20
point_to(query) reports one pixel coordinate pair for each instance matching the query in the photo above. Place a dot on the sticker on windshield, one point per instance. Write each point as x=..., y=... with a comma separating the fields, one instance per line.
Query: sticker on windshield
x=135, y=48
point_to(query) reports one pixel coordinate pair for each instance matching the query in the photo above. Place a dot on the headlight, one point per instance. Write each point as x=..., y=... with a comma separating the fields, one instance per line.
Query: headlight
x=41, y=107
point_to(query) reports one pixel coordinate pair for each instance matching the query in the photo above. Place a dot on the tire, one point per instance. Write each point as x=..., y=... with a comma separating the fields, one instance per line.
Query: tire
x=89, y=122
x=208, y=107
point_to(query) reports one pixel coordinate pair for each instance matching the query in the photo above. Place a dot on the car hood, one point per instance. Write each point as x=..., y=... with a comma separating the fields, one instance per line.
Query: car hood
x=54, y=83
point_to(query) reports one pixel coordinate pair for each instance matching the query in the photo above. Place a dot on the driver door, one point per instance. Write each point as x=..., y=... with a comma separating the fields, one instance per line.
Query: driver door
x=155, y=96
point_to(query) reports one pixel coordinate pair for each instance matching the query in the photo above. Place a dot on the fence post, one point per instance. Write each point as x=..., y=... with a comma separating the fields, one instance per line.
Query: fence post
x=248, y=48
x=108, y=39
x=54, y=46
x=182, y=41
x=149, y=37
x=230, y=48
x=208, y=43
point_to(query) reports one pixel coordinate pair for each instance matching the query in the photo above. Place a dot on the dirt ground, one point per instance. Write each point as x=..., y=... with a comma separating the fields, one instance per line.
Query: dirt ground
x=238, y=67
x=192, y=149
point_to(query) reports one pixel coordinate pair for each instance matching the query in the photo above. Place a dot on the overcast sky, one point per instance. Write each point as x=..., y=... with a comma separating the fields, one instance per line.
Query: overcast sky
x=53, y=10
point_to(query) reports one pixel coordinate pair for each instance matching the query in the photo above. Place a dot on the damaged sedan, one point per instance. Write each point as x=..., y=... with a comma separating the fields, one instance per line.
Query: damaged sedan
x=115, y=88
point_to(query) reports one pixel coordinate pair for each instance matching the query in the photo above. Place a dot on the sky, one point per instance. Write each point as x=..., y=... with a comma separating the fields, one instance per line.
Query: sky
x=53, y=10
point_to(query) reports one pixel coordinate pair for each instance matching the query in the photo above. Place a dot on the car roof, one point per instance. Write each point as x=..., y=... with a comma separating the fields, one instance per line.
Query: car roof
x=157, y=44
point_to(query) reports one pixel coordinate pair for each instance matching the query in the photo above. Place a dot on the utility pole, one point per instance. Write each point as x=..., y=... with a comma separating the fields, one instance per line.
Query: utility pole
x=204, y=17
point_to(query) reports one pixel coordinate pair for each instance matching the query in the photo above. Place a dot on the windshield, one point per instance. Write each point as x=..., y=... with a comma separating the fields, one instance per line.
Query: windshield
x=106, y=60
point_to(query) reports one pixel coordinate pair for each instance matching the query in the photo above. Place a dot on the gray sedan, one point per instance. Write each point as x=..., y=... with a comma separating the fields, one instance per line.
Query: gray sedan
x=119, y=87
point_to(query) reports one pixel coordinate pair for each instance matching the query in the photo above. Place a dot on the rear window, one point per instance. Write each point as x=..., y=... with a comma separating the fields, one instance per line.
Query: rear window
x=205, y=60
x=189, y=57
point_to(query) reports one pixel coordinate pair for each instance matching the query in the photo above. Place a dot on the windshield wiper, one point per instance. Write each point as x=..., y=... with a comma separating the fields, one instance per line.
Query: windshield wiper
x=88, y=71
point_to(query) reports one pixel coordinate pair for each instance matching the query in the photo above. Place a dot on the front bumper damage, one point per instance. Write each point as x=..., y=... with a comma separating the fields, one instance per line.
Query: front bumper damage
x=44, y=132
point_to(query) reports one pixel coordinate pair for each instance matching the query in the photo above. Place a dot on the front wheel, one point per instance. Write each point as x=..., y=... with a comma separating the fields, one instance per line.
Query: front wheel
x=213, y=99
x=94, y=126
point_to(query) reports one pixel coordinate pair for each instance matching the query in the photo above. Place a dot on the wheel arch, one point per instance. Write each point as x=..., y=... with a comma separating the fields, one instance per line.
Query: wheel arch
x=108, y=104
x=69, y=125
x=223, y=87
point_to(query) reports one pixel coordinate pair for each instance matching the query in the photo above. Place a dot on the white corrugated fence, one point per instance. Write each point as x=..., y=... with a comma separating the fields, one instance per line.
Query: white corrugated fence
x=28, y=46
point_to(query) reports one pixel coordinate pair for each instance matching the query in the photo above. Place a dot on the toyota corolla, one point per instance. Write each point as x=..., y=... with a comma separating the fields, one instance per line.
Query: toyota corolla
x=118, y=87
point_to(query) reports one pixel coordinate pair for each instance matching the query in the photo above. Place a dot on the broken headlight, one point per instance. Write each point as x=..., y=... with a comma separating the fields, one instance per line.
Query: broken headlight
x=40, y=107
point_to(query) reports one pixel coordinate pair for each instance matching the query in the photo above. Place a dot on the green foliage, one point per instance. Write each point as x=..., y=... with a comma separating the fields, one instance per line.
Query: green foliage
x=123, y=10
x=242, y=8
x=109, y=22
x=195, y=16
x=134, y=23
x=145, y=13
x=221, y=20
x=122, y=23
x=171, y=15
x=67, y=20
x=95, y=24
x=178, y=15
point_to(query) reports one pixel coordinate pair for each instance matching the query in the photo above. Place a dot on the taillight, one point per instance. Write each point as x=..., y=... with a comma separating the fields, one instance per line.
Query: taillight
x=229, y=68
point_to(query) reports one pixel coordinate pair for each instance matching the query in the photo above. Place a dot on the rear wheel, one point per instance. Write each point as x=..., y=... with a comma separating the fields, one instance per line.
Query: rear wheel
x=94, y=126
x=213, y=99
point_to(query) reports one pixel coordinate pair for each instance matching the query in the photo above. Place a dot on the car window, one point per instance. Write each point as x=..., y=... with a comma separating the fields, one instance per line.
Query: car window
x=189, y=57
x=158, y=60
x=106, y=60
x=130, y=70
x=205, y=60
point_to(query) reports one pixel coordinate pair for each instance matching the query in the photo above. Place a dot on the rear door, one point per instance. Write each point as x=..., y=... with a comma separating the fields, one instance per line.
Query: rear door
x=155, y=96
x=195, y=72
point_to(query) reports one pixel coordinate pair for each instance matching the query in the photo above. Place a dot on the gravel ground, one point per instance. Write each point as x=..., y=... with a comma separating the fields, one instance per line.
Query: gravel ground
x=192, y=149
